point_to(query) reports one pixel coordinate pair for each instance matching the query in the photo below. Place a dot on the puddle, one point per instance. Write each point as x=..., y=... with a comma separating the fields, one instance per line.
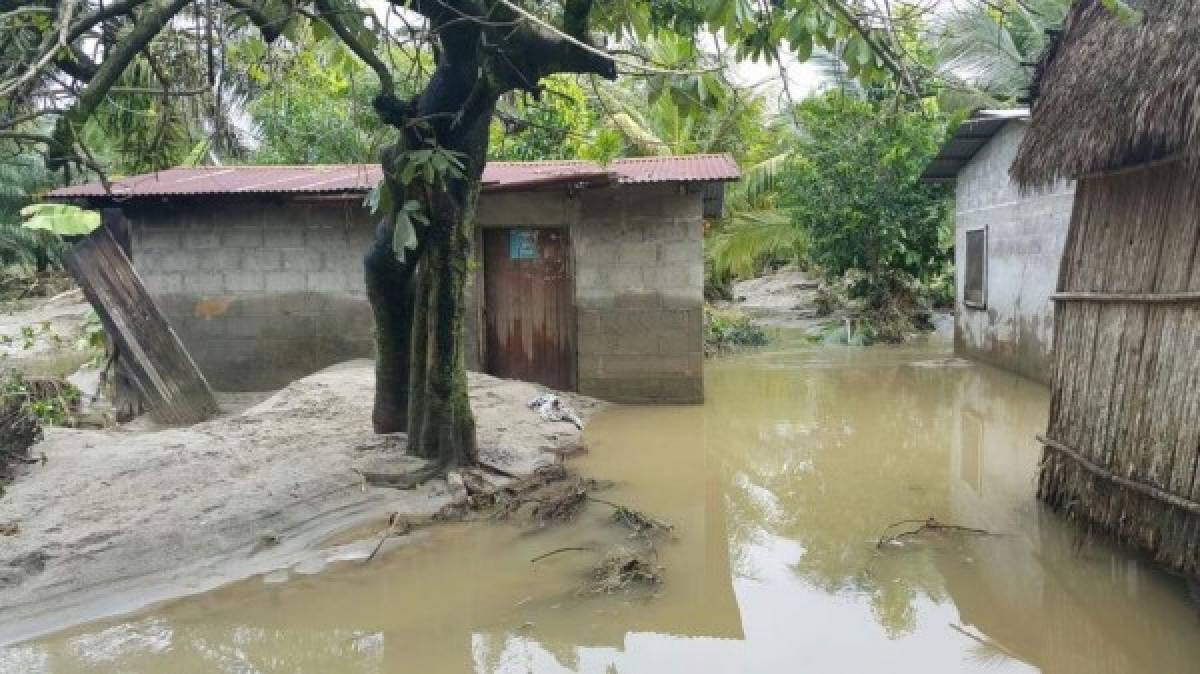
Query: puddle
x=779, y=487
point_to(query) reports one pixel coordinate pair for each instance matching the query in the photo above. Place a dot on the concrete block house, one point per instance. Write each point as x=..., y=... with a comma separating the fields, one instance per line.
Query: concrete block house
x=586, y=278
x=1007, y=244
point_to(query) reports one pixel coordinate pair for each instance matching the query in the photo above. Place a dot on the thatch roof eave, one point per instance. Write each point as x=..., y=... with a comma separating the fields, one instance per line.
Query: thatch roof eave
x=1113, y=93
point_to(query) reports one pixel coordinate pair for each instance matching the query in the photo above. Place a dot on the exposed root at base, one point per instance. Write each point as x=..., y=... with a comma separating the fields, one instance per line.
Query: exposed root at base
x=553, y=494
x=409, y=480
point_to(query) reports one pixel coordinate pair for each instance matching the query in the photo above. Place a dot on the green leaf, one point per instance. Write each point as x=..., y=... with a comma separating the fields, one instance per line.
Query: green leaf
x=61, y=219
x=1123, y=11
x=404, y=236
x=379, y=199
x=802, y=44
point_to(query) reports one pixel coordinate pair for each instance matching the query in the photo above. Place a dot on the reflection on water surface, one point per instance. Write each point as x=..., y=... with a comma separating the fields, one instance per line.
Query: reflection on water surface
x=779, y=488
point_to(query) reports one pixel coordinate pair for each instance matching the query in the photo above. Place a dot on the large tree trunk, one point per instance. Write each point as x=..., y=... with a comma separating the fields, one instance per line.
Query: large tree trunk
x=421, y=380
x=441, y=426
x=390, y=291
x=421, y=384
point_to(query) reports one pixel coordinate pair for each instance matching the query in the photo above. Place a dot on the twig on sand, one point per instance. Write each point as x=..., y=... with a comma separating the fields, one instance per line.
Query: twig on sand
x=397, y=526
x=555, y=552
x=928, y=524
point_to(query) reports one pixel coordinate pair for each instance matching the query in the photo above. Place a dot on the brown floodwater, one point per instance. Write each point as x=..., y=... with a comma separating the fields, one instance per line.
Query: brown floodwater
x=779, y=488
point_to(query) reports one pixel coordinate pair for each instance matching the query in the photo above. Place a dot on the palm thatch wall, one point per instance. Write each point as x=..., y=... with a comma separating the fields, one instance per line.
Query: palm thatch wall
x=1112, y=92
x=1124, y=435
x=1118, y=109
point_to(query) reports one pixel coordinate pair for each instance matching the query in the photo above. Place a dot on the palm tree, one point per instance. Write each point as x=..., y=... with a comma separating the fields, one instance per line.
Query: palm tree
x=988, y=48
x=22, y=176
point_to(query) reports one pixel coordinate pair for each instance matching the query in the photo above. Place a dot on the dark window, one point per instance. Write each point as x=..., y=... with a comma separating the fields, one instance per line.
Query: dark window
x=975, y=275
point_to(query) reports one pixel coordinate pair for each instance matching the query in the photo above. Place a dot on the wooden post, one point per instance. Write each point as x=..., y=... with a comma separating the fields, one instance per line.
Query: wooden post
x=152, y=355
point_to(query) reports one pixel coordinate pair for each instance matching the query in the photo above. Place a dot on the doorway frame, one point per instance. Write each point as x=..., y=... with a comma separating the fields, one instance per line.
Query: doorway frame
x=481, y=310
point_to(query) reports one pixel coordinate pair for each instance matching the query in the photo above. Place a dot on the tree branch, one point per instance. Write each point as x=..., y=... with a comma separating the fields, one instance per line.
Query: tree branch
x=52, y=49
x=270, y=26
x=575, y=17
x=145, y=29
x=889, y=59
x=105, y=12
x=331, y=14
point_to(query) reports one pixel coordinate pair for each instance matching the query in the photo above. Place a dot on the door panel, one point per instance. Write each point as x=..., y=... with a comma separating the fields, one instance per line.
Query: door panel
x=529, y=306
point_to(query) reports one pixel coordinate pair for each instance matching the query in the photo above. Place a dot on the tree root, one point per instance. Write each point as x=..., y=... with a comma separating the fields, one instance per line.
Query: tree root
x=929, y=524
x=556, y=495
x=409, y=480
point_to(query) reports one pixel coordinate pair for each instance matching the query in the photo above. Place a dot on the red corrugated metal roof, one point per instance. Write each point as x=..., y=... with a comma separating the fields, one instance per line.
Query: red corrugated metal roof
x=352, y=178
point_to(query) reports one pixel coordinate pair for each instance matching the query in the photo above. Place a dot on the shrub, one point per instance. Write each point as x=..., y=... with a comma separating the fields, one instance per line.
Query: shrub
x=726, y=330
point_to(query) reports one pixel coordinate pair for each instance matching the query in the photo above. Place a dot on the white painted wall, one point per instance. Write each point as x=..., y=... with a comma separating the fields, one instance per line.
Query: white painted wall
x=1026, y=234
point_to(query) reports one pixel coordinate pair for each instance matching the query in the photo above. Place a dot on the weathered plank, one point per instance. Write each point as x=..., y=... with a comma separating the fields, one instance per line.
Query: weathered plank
x=165, y=375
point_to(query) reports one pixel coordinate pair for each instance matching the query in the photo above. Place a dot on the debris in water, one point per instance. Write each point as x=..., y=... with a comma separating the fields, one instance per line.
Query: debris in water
x=928, y=524
x=639, y=522
x=10, y=529
x=560, y=503
x=555, y=552
x=621, y=570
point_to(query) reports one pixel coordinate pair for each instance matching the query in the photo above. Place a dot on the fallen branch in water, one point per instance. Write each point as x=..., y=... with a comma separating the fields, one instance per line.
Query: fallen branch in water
x=641, y=523
x=928, y=524
x=555, y=552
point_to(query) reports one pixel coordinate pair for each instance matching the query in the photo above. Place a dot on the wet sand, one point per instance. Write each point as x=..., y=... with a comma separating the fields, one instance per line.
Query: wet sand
x=117, y=519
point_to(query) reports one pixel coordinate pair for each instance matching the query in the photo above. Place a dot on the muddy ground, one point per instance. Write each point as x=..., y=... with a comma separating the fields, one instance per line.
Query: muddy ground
x=787, y=298
x=45, y=336
x=118, y=518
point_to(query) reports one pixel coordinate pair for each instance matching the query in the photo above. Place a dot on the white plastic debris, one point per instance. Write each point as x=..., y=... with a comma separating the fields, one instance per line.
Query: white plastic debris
x=552, y=409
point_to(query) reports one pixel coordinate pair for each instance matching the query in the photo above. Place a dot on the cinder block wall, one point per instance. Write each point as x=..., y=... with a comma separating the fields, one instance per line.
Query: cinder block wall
x=639, y=285
x=1025, y=238
x=639, y=264
x=265, y=291
x=260, y=291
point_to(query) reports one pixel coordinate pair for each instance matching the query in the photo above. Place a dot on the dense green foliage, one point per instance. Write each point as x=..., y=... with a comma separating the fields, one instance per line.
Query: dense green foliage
x=22, y=178
x=854, y=185
x=311, y=104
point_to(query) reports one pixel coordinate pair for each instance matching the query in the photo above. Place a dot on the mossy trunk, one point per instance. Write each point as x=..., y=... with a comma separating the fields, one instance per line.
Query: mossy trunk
x=441, y=426
x=419, y=306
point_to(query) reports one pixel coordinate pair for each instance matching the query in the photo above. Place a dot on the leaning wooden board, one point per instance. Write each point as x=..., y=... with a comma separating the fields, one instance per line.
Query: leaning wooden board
x=170, y=383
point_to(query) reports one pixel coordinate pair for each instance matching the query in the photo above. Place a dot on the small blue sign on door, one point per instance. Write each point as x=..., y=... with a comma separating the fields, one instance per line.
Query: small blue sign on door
x=522, y=244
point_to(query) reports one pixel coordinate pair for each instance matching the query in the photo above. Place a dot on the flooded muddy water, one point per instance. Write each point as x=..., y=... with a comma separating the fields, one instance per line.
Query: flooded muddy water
x=779, y=487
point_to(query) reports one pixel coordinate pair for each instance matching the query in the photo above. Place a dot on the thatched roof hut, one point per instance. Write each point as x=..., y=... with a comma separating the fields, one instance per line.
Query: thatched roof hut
x=1112, y=92
x=1118, y=108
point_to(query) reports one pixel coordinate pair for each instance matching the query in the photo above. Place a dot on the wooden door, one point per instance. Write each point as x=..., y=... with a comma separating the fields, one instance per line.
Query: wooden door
x=529, y=306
